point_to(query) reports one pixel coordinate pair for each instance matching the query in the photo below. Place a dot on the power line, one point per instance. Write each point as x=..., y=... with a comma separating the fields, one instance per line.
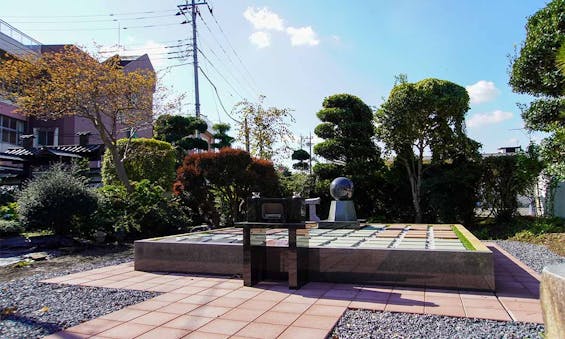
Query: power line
x=226, y=53
x=231, y=46
x=100, y=29
x=88, y=21
x=218, y=96
x=228, y=69
x=157, y=42
x=221, y=75
x=172, y=58
x=219, y=43
x=89, y=15
x=141, y=49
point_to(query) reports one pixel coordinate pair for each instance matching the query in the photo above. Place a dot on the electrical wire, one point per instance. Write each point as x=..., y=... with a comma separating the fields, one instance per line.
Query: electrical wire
x=88, y=21
x=218, y=96
x=141, y=49
x=231, y=46
x=90, y=15
x=100, y=29
x=220, y=73
x=243, y=84
x=254, y=91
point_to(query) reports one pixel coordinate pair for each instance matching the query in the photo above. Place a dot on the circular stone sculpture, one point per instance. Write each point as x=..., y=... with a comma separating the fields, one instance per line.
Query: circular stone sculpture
x=341, y=188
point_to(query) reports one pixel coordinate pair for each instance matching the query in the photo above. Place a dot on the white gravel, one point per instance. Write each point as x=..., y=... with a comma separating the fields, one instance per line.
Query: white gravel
x=31, y=309
x=535, y=256
x=370, y=324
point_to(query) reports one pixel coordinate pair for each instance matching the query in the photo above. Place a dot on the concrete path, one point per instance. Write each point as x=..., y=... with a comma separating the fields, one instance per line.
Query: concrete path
x=193, y=306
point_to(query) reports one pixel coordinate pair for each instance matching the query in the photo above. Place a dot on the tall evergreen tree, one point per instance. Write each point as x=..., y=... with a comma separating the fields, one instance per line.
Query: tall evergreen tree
x=224, y=140
x=350, y=149
x=536, y=72
x=427, y=115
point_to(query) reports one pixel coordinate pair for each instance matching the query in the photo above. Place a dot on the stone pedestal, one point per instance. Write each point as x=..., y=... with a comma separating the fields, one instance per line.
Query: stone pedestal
x=342, y=210
x=552, y=297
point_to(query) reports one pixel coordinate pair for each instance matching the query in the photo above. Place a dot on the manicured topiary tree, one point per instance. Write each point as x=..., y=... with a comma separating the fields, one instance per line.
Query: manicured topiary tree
x=224, y=140
x=149, y=159
x=180, y=131
x=300, y=155
x=350, y=150
x=421, y=116
x=539, y=70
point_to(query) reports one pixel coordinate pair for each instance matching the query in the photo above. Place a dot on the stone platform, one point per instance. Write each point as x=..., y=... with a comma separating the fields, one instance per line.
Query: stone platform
x=394, y=254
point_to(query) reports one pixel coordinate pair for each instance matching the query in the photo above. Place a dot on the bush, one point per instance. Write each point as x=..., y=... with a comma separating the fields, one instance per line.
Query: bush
x=149, y=159
x=149, y=211
x=10, y=227
x=217, y=182
x=56, y=200
x=521, y=227
x=8, y=194
x=9, y=211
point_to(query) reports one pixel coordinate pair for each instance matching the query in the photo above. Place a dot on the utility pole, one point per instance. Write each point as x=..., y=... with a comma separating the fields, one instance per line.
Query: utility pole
x=310, y=159
x=193, y=7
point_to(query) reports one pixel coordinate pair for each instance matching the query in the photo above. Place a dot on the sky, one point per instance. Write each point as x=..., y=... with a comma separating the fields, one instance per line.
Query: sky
x=296, y=53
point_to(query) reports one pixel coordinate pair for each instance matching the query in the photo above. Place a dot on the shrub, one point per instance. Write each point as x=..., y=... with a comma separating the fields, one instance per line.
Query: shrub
x=213, y=182
x=9, y=211
x=505, y=177
x=8, y=194
x=148, y=212
x=10, y=227
x=56, y=200
x=149, y=159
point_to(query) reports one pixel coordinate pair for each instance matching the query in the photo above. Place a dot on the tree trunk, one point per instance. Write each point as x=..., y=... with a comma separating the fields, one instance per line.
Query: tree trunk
x=120, y=169
x=110, y=143
x=419, y=186
x=246, y=129
x=415, y=182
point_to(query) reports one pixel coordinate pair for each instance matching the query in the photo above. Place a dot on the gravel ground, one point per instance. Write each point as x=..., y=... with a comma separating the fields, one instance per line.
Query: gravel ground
x=31, y=309
x=370, y=324
x=535, y=256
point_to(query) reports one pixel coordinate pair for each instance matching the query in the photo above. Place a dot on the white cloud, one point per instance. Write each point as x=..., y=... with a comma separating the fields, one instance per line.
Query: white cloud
x=260, y=39
x=302, y=36
x=481, y=119
x=263, y=18
x=482, y=91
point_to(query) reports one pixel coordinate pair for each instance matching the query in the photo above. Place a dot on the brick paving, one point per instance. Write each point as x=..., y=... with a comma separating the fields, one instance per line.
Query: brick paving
x=194, y=306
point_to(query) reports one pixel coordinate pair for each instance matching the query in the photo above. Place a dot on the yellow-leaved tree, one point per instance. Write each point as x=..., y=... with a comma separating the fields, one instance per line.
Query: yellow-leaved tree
x=72, y=82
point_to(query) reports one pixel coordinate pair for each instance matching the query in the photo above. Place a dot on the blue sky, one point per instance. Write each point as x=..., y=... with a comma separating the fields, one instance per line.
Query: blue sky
x=298, y=52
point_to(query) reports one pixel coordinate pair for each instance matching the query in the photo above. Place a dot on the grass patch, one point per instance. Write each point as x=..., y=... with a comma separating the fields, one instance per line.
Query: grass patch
x=463, y=239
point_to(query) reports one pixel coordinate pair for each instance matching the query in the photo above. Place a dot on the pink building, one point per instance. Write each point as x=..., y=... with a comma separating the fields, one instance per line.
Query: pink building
x=50, y=140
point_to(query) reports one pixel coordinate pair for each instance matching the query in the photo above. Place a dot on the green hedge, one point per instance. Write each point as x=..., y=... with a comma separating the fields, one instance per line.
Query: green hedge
x=149, y=159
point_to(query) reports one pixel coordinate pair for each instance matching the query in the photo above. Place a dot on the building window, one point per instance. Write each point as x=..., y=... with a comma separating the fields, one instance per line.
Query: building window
x=46, y=136
x=11, y=130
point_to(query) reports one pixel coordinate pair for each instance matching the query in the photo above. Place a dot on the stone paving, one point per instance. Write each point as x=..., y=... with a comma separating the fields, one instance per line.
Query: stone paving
x=194, y=306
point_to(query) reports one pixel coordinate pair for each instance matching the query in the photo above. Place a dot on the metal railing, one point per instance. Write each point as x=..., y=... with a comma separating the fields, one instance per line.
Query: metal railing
x=25, y=41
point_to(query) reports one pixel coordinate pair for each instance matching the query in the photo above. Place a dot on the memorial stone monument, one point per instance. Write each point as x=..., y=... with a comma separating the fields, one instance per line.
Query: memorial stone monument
x=342, y=210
